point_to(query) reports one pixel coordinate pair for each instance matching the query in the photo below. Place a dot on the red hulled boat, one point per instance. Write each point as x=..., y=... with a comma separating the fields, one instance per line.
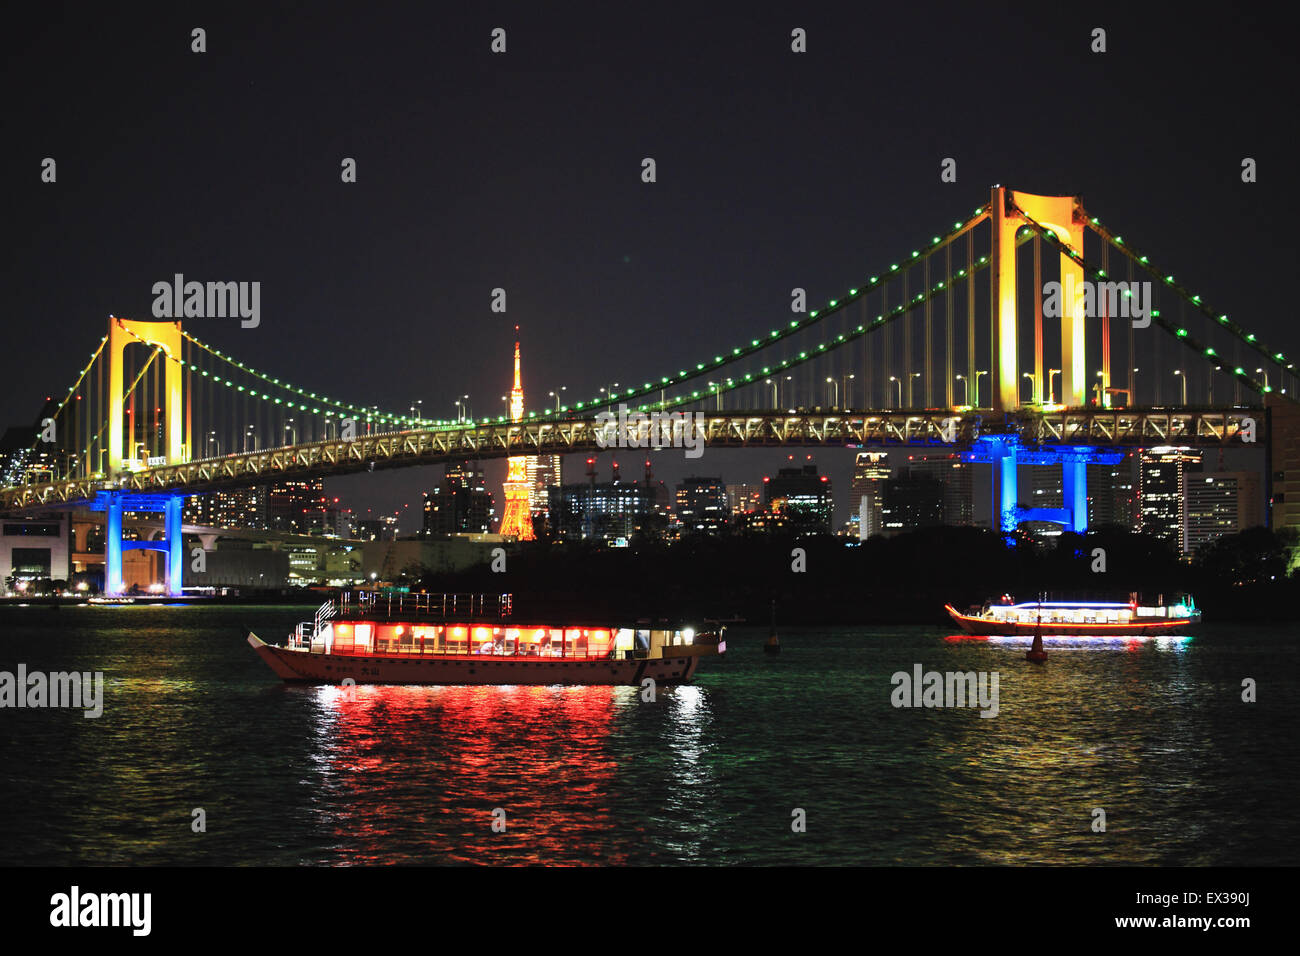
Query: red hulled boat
x=387, y=638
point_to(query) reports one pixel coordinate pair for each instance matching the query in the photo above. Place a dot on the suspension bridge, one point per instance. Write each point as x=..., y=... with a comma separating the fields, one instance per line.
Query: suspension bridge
x=959, y=342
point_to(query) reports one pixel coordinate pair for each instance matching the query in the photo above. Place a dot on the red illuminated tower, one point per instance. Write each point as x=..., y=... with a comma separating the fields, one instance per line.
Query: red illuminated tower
x=517, y=521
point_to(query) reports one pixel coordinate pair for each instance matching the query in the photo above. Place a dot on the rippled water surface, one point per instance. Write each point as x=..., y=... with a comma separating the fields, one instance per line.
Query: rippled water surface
x=1152, y=732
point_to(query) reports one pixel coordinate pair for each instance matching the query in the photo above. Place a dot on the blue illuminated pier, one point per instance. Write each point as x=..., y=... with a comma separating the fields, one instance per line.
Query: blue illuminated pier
x=1006, y=453
x=117, y=502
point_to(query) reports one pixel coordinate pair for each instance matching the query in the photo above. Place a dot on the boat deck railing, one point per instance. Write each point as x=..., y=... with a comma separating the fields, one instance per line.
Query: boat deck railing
x=423, y=606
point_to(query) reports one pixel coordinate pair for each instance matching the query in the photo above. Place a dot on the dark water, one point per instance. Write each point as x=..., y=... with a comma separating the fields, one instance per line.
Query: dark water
x=1154, y=733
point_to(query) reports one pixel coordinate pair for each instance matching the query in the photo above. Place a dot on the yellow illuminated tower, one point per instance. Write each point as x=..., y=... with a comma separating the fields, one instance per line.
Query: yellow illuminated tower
x=517, y=520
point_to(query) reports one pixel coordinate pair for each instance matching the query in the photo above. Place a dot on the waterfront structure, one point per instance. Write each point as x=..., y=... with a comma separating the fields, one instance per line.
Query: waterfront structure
x=34, y=551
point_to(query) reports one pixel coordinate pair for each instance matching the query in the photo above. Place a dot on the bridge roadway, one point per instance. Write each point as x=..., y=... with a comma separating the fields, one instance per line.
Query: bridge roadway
x=1127, y=427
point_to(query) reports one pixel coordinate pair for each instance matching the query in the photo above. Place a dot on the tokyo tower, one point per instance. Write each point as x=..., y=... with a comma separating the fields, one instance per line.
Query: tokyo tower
x=517, y=520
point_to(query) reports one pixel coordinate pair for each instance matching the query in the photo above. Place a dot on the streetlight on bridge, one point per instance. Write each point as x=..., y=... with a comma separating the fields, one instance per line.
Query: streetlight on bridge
x=1182, y=378
x=556, y=396
x=776, y=395
x=1051, y=386
x=911, y=403
x=1033, y=387
x=1265, y=373
x=610, y=392
x=899, y=382
x=212, y=437
x=977, y=386
x=293, y=432
x=965, y=390
x=833, y=390
x=848, y=391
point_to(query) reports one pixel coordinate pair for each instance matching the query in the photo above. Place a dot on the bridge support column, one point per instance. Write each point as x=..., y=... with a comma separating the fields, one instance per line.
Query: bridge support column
x=1074, y=494
x=175, y=543
x=113, y=546
x=1001, y=453
x=114, y=504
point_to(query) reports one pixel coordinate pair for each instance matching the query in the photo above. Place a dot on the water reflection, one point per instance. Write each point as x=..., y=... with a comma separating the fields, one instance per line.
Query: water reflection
x=414, y=773
x=1162, y=642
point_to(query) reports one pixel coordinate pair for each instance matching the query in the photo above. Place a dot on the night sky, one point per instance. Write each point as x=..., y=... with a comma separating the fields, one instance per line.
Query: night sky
x=522, y=171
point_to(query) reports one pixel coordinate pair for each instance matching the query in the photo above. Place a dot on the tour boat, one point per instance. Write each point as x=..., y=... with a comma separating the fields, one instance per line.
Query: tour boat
x=1077, y=618
x=377, y=638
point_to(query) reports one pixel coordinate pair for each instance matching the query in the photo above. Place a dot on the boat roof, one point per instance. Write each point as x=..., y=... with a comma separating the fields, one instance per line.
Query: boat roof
x=1031, y=604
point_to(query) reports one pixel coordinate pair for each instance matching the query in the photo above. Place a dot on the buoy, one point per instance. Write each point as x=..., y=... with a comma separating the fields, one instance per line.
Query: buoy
x=1036, y=654
x=773, y=643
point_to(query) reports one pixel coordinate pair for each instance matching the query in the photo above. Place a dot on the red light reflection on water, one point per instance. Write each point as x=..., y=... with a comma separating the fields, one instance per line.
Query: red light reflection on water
x=538, y=753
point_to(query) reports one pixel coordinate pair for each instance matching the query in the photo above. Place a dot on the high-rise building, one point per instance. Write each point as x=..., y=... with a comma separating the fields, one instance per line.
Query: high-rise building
x=1162, y=493
x=543, y=471
x=912, y=500
x=1112, y=494
x=1219, y=503
x=702, y=505
x=867, y=493
x=517, y=519
x=299, y=506
x=461, y=504
x=958, y=484
x=238, y=508
x=383, y=528
x=744, y=498
x=611, y=512
x=802, y=496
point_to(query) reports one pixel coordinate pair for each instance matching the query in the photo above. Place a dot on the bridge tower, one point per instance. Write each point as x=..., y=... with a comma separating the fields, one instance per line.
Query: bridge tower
x=517, y=519
x=163, y=335
x=167, y=337
x=1010, y=211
